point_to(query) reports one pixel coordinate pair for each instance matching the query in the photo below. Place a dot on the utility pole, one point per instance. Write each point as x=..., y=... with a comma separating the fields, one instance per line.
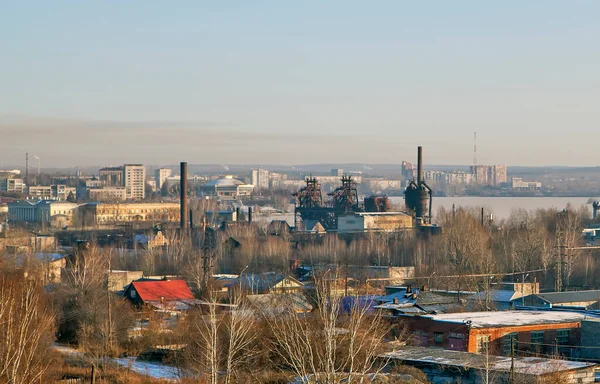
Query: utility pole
x=558, y=282
x=110, y=330
x=207, y=257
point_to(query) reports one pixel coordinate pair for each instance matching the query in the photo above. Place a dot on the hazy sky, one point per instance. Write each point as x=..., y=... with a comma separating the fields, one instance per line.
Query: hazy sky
x=290, y=82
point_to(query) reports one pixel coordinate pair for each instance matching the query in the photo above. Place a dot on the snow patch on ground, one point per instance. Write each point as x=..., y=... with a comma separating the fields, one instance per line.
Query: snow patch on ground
x=155, y=370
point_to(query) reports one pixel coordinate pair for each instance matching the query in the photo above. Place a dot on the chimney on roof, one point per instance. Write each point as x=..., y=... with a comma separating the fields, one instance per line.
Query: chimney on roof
x=395, y=300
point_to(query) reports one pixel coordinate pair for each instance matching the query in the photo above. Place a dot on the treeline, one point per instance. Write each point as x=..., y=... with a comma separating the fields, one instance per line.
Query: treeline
x=535, y=245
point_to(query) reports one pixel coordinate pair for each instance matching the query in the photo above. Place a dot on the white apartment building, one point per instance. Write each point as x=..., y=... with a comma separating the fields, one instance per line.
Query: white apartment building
x=40, y=192
x=160, y=176
x=51, y=192
x=134, y=176
x=107, y=194
x=12, y=185
x=519, y=184
x=260, y=178
x=112, y=176
x=61, y=192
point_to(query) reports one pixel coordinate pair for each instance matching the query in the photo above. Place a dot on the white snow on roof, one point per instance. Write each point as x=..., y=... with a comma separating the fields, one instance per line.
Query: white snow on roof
x=500, y=296
x=523, y=365
x=509, y=318
x=224, y=182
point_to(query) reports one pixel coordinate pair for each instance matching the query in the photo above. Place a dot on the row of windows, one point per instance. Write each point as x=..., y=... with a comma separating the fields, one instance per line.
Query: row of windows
x=509, y=342
x=126, y=211
x=129, y=218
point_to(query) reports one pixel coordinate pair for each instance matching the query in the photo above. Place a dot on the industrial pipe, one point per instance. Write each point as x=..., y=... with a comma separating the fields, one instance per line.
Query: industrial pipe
x=419, y=164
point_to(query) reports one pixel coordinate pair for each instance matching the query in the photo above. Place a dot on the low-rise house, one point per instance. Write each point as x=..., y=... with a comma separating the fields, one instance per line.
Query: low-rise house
x=263, y=283
x=48, y=269
x=499, y=332
x=278, y=228
x=444, y=366
x=164, y=295
x=502, y=296
x=363, y=273
x=418, y=302
x=148, y=241
x=275, y=302
x=574, y=299
x=53, y=265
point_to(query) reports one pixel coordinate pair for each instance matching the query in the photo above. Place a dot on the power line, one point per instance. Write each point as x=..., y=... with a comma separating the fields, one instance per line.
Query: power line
x=461, y=276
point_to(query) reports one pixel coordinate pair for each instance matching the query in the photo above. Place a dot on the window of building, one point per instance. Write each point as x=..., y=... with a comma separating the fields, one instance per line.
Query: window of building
x=537, y=339
x=510, y=344
x=133, y=294
x=562, y=336
x=483, y=341
x=438, y=337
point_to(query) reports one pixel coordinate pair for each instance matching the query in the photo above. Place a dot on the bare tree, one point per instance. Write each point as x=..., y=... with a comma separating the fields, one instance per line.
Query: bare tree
x=332, y=344
x=221, y=341
x=26, y=328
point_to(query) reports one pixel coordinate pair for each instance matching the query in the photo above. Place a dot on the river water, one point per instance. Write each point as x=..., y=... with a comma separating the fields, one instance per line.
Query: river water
x=502, y=207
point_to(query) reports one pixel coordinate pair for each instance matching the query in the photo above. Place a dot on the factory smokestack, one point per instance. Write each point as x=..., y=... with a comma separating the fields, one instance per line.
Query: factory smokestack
x=419, y=164
x=183, y=203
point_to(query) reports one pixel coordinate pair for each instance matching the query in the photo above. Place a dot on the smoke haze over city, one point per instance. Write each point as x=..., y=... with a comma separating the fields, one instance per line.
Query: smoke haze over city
x=284, y=83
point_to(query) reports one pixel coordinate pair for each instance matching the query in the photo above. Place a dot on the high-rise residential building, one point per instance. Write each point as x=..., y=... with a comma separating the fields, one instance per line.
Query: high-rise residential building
x=134, y=178
x=112, y=176
x=260, y=178
x=337, y=172
x=160, y=175
x=409, y=171
x=490, y=175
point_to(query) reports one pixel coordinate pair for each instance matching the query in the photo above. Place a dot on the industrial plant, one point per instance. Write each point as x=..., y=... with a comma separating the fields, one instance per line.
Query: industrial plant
x=343, y=212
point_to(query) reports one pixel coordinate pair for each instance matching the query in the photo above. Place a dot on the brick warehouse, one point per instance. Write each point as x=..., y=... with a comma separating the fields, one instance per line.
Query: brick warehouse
x=541, y=332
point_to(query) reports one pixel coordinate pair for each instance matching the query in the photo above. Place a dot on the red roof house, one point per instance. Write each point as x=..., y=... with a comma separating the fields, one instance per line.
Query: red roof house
x=158, y=292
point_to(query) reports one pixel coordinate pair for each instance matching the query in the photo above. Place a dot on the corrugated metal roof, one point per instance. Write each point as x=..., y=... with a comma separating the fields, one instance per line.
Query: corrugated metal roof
x=167, y=290
x=570, y=296
x=523, y=365
x=499, y=296
x=509, y=318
